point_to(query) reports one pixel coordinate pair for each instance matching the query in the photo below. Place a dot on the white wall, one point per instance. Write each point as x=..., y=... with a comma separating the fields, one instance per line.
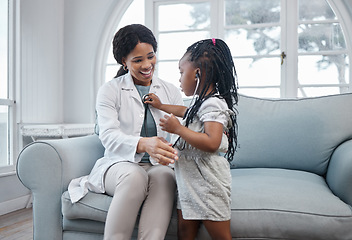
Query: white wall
x=85, y=22
x=41, y=42
x=59, y=43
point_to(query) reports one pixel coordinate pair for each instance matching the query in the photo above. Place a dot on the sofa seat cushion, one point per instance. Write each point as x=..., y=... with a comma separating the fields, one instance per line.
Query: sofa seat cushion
x=89, y=214
x=83, y=225
x=93, y=206
x=290, y=204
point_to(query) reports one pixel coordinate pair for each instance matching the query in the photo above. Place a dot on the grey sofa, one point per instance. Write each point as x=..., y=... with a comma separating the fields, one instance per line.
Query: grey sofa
x=291, y=179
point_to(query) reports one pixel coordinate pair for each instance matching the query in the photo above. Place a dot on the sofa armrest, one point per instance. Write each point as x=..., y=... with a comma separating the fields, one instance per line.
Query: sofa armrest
x=339, y=173
x=46, y=168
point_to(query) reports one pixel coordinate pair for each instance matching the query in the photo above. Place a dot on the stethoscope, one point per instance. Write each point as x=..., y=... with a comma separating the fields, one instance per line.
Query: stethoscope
x=144, y=99
x=192, y=102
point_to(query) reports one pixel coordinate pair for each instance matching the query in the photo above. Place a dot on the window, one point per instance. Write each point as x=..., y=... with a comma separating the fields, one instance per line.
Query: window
x=323, y=60
x=6, y=103
x=175, y=33
x=281, y=48
x=254, y=32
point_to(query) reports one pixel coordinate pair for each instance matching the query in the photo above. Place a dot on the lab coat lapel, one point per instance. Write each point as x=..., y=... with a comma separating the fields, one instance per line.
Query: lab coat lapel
x=155, y=86
x=131, y=88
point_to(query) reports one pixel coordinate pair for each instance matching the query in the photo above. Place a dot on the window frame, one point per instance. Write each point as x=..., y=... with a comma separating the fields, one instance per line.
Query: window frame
x=13, y=77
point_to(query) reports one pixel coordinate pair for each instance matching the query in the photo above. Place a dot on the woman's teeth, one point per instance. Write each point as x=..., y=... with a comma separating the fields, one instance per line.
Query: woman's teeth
x=147, y=73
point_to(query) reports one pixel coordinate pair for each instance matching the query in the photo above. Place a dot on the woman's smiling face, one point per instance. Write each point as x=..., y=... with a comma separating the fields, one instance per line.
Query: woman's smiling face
x=141, y=63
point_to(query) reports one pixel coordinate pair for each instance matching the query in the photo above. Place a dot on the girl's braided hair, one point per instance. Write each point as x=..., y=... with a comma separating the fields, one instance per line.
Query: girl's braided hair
x=126, y=39
x=214, y=59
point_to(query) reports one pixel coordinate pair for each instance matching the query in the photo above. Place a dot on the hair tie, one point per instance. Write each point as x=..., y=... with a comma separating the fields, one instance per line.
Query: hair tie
x=214, y=41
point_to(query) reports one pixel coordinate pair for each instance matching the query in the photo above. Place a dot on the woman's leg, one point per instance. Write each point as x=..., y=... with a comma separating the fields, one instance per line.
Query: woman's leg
x=218, y=230
x=157, y=208
x=128, y=184
x=187, y=229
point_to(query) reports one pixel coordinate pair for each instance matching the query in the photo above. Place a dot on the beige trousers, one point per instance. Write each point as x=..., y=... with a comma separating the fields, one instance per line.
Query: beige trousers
x=134, y=185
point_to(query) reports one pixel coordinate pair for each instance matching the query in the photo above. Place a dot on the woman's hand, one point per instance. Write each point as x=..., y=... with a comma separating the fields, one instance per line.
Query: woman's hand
x=170, y=124
x=153, y=100
x=159, y=149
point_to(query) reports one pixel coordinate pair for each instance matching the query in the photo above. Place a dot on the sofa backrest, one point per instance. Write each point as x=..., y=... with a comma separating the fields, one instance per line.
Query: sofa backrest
x=292, y=133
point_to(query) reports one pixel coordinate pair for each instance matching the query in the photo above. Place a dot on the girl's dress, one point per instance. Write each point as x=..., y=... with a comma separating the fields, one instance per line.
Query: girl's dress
x=203, y=178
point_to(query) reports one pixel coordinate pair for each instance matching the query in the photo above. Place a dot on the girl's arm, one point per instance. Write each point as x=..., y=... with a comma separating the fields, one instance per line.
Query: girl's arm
x=177, y=110
x=209, y=141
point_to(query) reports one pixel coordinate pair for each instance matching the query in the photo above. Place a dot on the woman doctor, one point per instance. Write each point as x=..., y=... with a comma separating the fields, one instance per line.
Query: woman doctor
x=134, y=169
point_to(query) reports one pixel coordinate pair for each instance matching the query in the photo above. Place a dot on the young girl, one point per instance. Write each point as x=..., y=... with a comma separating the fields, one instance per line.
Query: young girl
x=209, y=127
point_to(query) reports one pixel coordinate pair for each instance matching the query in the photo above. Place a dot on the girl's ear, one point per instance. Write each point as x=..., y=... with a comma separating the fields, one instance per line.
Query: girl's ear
x=198, y=74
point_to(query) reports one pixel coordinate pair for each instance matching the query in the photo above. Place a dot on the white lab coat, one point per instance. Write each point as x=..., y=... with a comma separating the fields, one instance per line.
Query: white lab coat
x=120, y=118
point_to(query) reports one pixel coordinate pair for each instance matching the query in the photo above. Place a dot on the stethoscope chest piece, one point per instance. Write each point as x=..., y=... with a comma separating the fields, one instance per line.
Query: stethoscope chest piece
x=146, y=98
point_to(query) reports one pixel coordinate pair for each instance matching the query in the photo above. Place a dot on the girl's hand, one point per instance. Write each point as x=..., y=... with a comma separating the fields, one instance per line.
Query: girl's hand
x=170, y=124
x=153, y=100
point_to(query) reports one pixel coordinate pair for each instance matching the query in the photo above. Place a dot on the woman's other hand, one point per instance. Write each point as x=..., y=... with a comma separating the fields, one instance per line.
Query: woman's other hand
x=159, y=149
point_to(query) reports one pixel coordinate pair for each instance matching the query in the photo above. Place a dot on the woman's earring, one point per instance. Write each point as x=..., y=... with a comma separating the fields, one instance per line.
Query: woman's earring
x=125, y=68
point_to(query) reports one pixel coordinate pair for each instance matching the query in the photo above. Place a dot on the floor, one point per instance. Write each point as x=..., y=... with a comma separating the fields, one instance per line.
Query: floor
x=17, y=225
